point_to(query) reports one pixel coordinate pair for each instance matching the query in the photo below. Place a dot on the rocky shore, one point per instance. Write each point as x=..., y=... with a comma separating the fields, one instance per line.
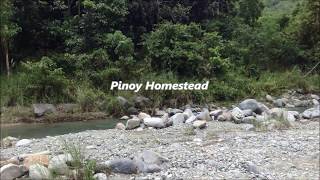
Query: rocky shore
x=251, y=140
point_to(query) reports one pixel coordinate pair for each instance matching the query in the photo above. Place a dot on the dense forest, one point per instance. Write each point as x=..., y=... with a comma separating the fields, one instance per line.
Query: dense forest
x=70, y=50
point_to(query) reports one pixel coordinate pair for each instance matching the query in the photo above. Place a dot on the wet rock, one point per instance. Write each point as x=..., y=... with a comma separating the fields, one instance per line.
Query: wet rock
x=133, y=123
x=23, y=142
x=41, y=109
x=12, y=171
x=120, y=126
x=38, y=172
x=199, y=124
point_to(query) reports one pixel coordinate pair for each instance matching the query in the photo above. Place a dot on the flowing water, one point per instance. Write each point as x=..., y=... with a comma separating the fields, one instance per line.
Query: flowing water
x=40, y=130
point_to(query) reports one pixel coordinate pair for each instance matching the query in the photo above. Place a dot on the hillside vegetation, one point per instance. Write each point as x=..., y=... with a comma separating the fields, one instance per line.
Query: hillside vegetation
x=69, y=51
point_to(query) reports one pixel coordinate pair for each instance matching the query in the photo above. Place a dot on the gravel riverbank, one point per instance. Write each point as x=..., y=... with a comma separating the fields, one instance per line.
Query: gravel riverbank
x=222, y=150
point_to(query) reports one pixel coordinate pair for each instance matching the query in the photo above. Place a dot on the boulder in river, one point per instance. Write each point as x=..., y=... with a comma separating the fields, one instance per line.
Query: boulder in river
x=12, y=171
x=41, y=109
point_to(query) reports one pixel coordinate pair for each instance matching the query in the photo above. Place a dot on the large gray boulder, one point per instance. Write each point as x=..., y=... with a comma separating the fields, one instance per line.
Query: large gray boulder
x=12, y=171
x=253, y=105
x=312, y=113
x=199, y=124
x=133, y=123
x=124, y=166
x=154, y=122
x=149, y=161
x=38, y=172
x=41, y=109
x=178, y=118
x=237, y=115
x=204, y=115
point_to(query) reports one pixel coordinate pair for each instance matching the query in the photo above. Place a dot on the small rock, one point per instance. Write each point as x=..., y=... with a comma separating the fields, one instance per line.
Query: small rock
x=199, y=124
x=280, y=102
x=120, y=126
x=237, y=114
x=191, y=119
x=38, y=172
x=315, y=102
x=188, y=113
x=143, y=115
x=133, y=123
x=216, y=113
x=311, y=113
x=269, y=98
x=314, y=96
x=23, y=142
x=100, y=176
x=124, y=118
x=225, y=116
x=172, y=112
x=159, y=112
x=248, y=120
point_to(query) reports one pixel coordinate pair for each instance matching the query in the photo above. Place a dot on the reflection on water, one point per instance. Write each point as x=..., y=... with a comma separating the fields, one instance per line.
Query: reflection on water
x=43, y=130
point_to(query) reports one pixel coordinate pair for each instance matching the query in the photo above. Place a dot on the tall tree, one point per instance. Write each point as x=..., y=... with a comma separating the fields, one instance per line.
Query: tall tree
x=7, y=30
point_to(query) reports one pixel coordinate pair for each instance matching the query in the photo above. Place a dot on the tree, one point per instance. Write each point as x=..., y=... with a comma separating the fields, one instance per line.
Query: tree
x=250, y=10
x=7, y=31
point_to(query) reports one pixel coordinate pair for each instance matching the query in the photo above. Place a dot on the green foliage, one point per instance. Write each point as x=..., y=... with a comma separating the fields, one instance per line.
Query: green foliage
x=45, y=80
x=185, y=50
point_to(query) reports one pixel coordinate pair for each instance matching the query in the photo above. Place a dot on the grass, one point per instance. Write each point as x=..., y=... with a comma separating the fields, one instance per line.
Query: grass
x=84, y=168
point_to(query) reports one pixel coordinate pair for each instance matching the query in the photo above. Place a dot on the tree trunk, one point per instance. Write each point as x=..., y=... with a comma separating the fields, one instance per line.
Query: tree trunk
x=6, y=54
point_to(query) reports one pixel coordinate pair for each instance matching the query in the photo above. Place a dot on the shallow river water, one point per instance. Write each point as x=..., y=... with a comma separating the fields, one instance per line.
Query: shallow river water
x=39, y=130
